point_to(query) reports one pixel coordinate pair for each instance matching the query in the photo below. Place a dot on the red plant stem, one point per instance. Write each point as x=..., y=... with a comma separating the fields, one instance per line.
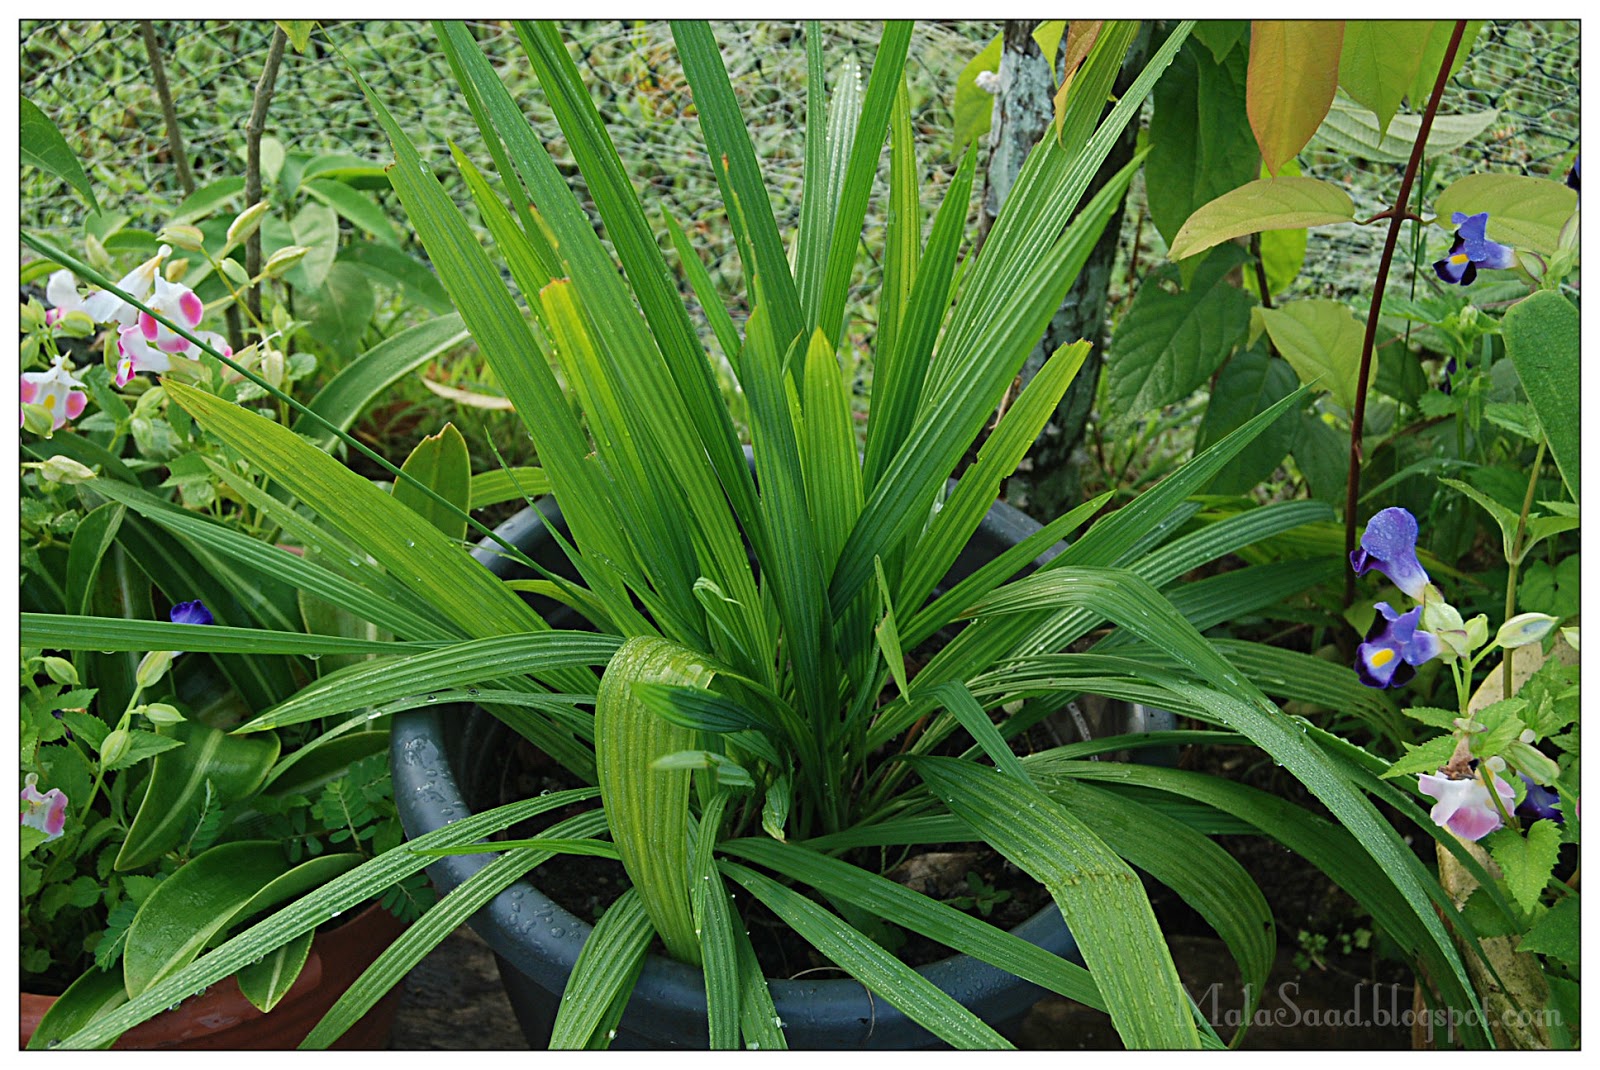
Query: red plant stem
x=1396, y=220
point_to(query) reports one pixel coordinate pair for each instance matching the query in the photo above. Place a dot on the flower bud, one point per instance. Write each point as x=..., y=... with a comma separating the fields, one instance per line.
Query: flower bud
x=283, y=260
x=59, y=469
x=1571, y=636
x=272, y=368
x=61, y=671
x=183, y=236
x=33, y=315
x=235, y=271
x=177, y=269
x=1524, y=629
x=75, y=324
x=96, y=254
x=37, y=418
x=152, y=667
x=1529, y=760
x=115, y=747
x=246, y=223
x=161, y=713
x=150, y=400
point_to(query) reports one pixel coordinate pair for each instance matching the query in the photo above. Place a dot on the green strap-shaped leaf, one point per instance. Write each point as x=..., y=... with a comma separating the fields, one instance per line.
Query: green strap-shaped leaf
x=604, y=971
x=442, y=919
x=998, y=458
x=94, y=994
x=886, y=976
x=311, y=910
x=919, y=913
x=67, y=632
x=369, y=375
x=508, y=485
x=266, y=982
x=714, y=925
x=416, y=553
x=91, y=540
x=1099, y=895
x=441, y=463
x=546, y=654
x=233, y=765
x=649, y=807
x=1241, y=706
x=739, y=177
x=41, y=144
x=882, y=85
x=1332, y=849
x=231, y=880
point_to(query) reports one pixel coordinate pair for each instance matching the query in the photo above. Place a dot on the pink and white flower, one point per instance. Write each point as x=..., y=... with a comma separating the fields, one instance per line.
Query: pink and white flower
x=57, y=391
x=177, y=303
x=1464, y=806
x=136, y=353
x=103, y=306
x=47, y=812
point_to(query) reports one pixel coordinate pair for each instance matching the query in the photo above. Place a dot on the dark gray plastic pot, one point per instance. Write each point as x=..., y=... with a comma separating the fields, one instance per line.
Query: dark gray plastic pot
x=445, y=762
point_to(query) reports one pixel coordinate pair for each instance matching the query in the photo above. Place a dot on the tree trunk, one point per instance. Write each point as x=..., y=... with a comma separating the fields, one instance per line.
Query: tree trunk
x=1050, y=476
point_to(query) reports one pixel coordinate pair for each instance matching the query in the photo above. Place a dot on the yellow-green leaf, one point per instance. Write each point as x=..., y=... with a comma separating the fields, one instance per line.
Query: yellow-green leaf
x=441, y=463
x=1379, y=62
x=1524, y=212
x=1322, y=341
x=1294, y=70
x=1288, y=203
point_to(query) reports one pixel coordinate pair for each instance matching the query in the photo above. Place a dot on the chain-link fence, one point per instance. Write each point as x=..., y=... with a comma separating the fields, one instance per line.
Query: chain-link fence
x=93, y=79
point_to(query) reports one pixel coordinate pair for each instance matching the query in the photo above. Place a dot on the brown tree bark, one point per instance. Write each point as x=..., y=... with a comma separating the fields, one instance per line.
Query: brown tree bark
x=1050, y=477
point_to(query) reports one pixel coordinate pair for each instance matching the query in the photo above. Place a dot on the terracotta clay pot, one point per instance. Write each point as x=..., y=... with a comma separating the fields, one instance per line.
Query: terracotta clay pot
x=222, y=1019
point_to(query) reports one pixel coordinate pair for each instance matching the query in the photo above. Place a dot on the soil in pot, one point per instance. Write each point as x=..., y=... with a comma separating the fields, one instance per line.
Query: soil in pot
x=222, y=1019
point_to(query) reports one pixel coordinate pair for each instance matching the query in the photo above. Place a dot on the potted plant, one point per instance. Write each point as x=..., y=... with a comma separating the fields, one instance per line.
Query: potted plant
x=754, y=722
x=147, y=830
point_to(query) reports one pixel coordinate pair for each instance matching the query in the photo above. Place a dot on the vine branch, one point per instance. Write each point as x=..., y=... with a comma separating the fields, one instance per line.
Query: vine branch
x=252, y=168
x=169, y=112
x=1397, y=216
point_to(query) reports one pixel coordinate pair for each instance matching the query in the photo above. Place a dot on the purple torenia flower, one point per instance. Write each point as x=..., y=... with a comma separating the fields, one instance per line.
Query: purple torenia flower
x=1472, y=250
x=1390, y=545
x=47, y=812
x=190, y=613
x=1464, y=806
x=1394, y=644
x=1540, y=802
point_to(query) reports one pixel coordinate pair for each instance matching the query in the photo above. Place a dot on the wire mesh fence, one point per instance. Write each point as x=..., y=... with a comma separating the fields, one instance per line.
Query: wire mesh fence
x=93, y=79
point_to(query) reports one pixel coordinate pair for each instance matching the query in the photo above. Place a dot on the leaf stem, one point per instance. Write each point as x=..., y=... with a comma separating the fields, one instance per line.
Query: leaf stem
x=1397, y=216
x=1514, y=558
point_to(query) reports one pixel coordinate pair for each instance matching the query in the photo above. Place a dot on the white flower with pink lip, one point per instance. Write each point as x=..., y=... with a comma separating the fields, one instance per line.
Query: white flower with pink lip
x=57, y=391
x=1464, y=806
x=46, y=812
x=177, y=303
x=103, y=306
x=136, y=353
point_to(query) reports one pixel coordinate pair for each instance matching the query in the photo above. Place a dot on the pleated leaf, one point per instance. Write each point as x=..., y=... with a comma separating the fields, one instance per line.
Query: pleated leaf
x=343, y=892
x=886, y=976
x=1099, y=895
x=648, y=806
